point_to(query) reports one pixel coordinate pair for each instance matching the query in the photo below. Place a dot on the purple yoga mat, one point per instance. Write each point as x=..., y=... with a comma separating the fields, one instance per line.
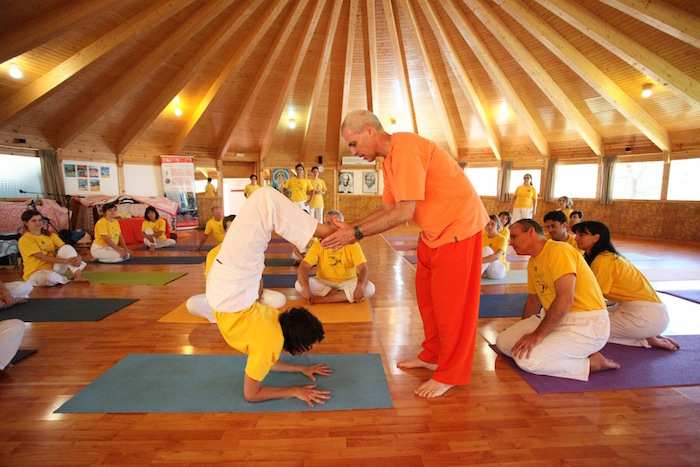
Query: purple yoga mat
x=399, y=238
x=413, y=259
x=404, y=247
x=639, y=368
x=692, y=295
x=279, y=249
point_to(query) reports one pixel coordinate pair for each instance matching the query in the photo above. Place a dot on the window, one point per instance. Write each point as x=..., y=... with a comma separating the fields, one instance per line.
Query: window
x=25, y=175
x=638, y=180
x=484, y=180
x=576, y=180
x=683, y=180
x=516, y=179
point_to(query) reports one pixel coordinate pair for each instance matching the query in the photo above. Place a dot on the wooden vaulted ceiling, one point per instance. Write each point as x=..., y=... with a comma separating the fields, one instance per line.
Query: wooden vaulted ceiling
x=486, y=79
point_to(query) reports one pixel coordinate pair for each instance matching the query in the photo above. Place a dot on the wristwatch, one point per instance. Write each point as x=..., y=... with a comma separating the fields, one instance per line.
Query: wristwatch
x=358, y=235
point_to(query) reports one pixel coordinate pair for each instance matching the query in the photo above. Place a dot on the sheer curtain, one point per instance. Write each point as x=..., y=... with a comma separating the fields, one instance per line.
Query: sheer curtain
x=51, y=172
x=606, y=180
x=503, y=193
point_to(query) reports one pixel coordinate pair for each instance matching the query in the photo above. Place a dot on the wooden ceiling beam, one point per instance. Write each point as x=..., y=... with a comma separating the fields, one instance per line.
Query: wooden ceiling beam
x=371, y=71
x=258, y=81
x=627, y=49
x=281, y=96
x=432, y=81
x=462, y=76
x=144, y=20
x=498, y=77
x=587, y=71
x=537, y=73
x=349, y=51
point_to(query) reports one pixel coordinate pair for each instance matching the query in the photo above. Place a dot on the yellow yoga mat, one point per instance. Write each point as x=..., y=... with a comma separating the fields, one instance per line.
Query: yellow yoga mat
x=326, y=312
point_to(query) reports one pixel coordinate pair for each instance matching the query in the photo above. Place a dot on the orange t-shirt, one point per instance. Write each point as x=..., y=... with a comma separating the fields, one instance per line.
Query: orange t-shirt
x=448, y=208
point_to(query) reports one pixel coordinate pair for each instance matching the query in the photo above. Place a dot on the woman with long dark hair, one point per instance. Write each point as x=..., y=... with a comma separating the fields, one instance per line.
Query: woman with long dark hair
x=153, y=230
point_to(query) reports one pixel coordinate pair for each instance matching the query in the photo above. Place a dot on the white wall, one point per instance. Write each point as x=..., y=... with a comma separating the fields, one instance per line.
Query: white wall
x=143, y=180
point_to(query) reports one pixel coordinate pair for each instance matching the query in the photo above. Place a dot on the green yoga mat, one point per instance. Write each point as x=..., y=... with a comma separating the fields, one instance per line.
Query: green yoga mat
x=65, y=309
x=158, y=383
x=132, y=278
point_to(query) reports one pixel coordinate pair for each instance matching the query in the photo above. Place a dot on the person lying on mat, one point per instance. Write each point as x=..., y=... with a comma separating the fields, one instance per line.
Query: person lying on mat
x=556, y=224
x=11, y=333
x=494, y=245
x=109, y=245
x=638, y=317
x=45, y=257
x=197, y=304
x=153, y=230
x=342, y=276
x=13, y=293
x=214, y=226
x=247, y=325
x=565, y=322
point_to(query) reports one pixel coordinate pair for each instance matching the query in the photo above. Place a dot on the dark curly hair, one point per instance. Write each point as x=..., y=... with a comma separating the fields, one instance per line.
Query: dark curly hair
x=301, y=330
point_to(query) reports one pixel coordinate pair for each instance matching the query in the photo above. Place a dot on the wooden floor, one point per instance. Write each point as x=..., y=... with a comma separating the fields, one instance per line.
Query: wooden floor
x=498, y=419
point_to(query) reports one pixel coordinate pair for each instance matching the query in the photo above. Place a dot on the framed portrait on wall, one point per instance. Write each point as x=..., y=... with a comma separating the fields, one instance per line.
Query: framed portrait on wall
x=346, y=182
x=279, y=178
x=369, y=182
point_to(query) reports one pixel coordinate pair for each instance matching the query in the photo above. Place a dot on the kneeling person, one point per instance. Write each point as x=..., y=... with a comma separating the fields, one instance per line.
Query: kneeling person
x=342, y=275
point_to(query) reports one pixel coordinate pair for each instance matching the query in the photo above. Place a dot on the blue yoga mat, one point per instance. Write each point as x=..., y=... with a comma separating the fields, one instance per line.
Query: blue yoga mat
x=498, y=306
x=158, y=383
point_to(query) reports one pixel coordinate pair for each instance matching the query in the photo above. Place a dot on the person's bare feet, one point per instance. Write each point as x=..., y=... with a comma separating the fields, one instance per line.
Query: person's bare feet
x=78, y=277
x=417, y=363
x=600, y=363
x=662, y=342
x=151, y=248
x=431, y=389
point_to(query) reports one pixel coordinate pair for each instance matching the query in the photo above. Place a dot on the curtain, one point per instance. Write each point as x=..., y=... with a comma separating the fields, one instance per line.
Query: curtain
x=503, y=193
x=549, y=182
x=52, y=175
x=606, y=180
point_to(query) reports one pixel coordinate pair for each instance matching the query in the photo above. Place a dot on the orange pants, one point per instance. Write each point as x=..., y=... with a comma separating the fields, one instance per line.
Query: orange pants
x=448, y=287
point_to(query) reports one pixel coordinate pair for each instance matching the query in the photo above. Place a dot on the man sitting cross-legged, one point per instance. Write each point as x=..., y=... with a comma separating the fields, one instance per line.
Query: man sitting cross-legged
x=341, y=276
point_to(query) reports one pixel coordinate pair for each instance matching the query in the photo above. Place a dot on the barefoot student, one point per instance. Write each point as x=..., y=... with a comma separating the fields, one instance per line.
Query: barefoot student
x=109, y=245
x=565, y=322
x=424, y=183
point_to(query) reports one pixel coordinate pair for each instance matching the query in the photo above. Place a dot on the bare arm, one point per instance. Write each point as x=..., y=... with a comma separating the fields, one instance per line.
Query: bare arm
x=6, y=298
x=532, y=306
x=303, y=278
x=253, y=391
x=362, y=277
x=493, y=257
x=74, y=261
x=204, y=240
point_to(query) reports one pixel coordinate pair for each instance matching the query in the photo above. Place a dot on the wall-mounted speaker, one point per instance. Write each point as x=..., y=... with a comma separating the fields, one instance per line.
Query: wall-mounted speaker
x=320, y=159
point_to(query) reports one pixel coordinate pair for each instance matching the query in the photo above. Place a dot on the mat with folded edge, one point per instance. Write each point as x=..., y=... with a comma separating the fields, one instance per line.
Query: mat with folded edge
x=502, y=305
x=639, y=368
x=158, y=260
x=65, y=309
x=22, y=354
x=325, y=312
x=691, y=295
x=157, y=383
x=404, y=246
x=177, y=248
x=132, y=278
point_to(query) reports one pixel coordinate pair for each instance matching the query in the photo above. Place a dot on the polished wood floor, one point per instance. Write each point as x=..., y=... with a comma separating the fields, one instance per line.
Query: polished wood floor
x=498, y=419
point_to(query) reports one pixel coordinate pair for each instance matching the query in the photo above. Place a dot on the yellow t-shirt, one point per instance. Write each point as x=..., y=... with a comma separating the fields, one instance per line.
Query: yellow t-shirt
x=554, y=261
x=525, y=196
x=157, y=226
x=620, y=280
x=211, y=256
x=31, y=244
x=498, y=242
x=568, y=212
x=506, y=233
x=256, y=332
x=209, y=189
x=317, y=200
x=335, y=266
x=298, y=188
x=215, y=228
x=250, y=189
x=105, y=227
x=571, y=240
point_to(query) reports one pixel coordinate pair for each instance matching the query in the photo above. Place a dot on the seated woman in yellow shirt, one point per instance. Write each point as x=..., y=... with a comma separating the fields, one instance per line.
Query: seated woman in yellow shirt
x=493, y=260
x=109, y=245
x=638, y=317
x=153, y=230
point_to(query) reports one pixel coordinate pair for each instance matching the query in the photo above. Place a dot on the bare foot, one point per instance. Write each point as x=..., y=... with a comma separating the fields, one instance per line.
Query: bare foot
x=151, y=248
x=663, y=343
x=417, y=363
x=431, y=389
x=600, y=363
x=80, y=278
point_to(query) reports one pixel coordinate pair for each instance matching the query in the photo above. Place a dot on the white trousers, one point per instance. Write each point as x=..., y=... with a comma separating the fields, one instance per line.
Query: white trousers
x=106, y=254
x=19, y=289
x=234, y=278
x=322, y=287
x=632, y=322
x=11, y=333
x=198, y=306
x=302, y=205
x=159, y=243
x=520, y=213
x=317, y=213
x=565, y=351
x=49, y=278
x=493, y=270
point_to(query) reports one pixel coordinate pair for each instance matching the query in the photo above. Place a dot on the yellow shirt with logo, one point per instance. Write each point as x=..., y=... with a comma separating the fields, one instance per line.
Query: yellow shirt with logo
x=31, y=244
x=215, y=228
x=525, y=196
x=299, y=187
x=317, y=200
x=105, y=227
x=335, y=266
x=157, y=226
x=620, y=280
x=554, y=261
x=497, y=242
x=250, y=189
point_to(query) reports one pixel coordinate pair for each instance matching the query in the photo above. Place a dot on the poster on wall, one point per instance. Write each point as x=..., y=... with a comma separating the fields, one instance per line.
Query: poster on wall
x=94, y=184
x=104, y=172
x=369, y=182
x=279, y=178
x=82, y=184
x=178, y=186
x=94, y=172
x=82, y=171
x=69, y=170
x=346, y=182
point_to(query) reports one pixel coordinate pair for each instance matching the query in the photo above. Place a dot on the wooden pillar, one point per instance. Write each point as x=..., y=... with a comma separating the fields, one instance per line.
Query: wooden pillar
x=120, y=174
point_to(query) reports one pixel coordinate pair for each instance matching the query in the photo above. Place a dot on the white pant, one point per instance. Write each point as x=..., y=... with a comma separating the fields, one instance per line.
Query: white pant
x=520, y=213
x=19, y=289
x=49, y=278
x=632, y=322
x=564, y=352
x=493, y=270
x=11, y=333
x=198, y=306
x=234, y=279
x=106, y=254
x=317, y=213
x=303, y=205
x=159, y=243
x=322, y=287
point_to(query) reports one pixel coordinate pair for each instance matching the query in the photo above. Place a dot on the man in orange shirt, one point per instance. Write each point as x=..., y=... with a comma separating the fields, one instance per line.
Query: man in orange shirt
x=424, y=183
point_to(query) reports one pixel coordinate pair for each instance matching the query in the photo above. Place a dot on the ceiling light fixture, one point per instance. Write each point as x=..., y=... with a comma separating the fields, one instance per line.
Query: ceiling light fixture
x=646, y=90
x=178, y=111
x=15, y=72
x=292, y=123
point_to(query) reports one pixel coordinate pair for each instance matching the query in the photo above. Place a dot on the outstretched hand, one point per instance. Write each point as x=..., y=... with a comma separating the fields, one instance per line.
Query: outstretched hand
x=344, y=235
x=318, y=369
x=7, y=303
x=310, y=394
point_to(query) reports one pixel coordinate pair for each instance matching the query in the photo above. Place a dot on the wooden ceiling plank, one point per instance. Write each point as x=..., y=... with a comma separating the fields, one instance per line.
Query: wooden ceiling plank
x=462, y=76
x=373, y=78
x=349, y=51
x=282, y=96
x=674, y=21
x=499, y=78
x=144, y=20
x=432, y=81
x=585, y=69
x=258, y=81
x=132, y=76
x=537, y=73
x=627, y=49
x=232, y=66
x=46, y=27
